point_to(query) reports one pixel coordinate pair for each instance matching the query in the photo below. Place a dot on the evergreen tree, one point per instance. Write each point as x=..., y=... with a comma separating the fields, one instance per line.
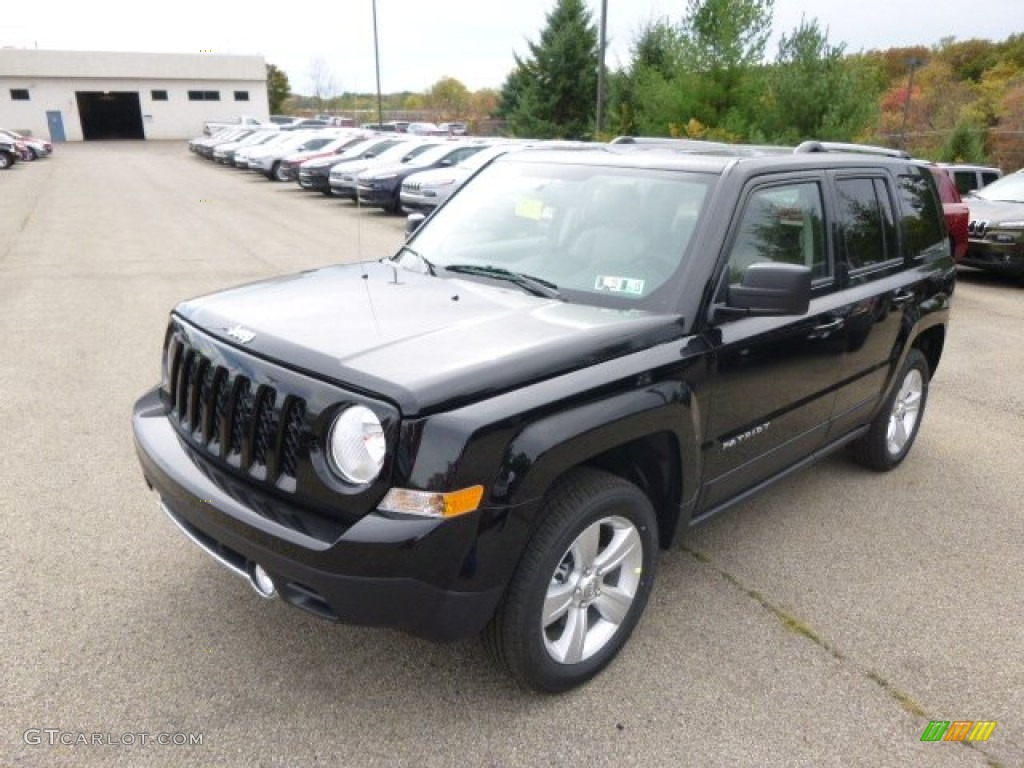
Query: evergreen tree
x=553, y=90
x=815, y=92
x=278, y=88
x=964, y=145
x=724, y=43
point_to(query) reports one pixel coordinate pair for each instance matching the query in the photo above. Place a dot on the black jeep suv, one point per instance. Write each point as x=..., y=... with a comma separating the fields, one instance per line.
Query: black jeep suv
x=576, y=358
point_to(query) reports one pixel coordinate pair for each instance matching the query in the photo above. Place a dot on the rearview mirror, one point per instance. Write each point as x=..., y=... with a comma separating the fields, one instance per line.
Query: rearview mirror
x=412, y=223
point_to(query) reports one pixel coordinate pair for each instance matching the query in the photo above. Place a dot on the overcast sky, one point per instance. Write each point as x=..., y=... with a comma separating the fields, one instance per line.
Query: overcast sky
x=424, y=40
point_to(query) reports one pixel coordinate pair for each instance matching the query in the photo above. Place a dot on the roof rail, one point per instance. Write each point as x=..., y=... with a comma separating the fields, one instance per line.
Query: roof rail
x=838, y=146
x=665, y=141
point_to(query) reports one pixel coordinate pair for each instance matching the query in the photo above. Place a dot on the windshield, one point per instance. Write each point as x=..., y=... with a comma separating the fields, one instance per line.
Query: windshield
x=435, y=154
x=485, y=155
x=397, y=151
x=1008, y=189
x=606, y=236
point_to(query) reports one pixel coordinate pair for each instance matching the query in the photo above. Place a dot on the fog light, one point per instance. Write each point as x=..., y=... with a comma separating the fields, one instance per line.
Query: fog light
x=261, y=582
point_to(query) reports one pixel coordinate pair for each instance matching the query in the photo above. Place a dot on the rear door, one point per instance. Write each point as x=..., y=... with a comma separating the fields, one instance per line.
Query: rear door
x=889, y=231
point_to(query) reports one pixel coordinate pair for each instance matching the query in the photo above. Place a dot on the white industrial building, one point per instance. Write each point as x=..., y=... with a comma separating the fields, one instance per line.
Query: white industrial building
x=82, y=95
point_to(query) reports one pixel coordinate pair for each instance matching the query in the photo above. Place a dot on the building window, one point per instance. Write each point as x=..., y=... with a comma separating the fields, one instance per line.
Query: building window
x=204, y=95
x=241, y=95
x=158, y=95
x=19, y=94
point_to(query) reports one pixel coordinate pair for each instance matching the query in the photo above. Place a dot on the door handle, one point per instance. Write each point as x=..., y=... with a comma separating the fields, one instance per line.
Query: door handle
x=901, y=297
x=833, y=325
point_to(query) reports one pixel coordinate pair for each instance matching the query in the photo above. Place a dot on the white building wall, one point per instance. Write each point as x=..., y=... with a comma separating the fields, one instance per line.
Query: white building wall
x=53, y=77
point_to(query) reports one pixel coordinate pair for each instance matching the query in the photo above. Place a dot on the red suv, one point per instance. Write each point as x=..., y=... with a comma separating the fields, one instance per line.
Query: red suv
x=957, y=213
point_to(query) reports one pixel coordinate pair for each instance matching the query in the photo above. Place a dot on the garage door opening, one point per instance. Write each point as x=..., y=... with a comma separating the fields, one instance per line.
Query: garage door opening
x=110, y=115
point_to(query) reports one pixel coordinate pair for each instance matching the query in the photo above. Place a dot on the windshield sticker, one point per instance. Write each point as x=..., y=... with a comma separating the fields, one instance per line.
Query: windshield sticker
x=612, y=284
x=530, y=208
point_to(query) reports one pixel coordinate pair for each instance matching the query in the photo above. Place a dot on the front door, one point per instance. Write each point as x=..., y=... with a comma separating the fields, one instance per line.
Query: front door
x=55, y=123
x=774, y=383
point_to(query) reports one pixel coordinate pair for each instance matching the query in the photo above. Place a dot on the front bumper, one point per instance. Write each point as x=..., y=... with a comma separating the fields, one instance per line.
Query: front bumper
x=263, y=164
x=370, y=573
x=313, y=180
x=1003, y=257
x=376, y=197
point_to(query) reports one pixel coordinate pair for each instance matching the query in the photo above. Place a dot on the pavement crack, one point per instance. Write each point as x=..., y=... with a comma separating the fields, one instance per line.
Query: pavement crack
x=794, y=623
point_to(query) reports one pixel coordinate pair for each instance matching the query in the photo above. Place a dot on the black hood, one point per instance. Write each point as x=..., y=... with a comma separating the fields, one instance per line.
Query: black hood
x=425, y=343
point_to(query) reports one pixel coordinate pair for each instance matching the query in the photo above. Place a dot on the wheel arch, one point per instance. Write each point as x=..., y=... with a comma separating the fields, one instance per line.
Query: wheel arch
x=639, y=436
x=930, y=342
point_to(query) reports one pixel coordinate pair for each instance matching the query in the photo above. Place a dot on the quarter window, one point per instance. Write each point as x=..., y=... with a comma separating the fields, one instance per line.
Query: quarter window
x=866, y=222
x=922, y=215
x=785, y=224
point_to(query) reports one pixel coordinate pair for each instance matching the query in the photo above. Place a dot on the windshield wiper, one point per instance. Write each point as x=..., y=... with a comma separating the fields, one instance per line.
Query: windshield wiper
x=534, y=285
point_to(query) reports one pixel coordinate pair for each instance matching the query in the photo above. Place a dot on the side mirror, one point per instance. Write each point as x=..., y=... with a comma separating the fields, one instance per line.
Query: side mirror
x=412, y=223
x=771, y=288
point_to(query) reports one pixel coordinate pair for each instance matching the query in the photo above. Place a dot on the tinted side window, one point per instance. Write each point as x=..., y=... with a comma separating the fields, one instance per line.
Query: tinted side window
x=965, y=181
x=923, y=222
x=988, y=178
x=782, y=223
x=866, y=222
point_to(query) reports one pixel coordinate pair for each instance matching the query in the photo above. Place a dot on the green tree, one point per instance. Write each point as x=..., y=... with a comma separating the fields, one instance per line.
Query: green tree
x=964, y=145
x=814, y=91
x=448, y=98
x=278, y=89
x=643, y=98
x=723, y=41
x=552, y=91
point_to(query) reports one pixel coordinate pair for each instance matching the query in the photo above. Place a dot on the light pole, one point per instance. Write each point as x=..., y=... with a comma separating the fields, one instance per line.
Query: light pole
x=600, y=67
x=913, y=62
x=376, y=59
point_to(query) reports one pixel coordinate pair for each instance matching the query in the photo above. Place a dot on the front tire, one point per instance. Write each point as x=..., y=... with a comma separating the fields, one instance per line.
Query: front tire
x=581, y=585
x=5, y=161
x=894, y=429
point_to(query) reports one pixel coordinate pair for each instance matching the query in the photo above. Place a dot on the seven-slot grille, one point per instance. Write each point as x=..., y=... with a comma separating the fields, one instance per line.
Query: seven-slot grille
x=251, y=426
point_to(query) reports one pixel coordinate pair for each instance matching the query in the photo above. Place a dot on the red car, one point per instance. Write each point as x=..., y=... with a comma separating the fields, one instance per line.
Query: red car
x=957, y=214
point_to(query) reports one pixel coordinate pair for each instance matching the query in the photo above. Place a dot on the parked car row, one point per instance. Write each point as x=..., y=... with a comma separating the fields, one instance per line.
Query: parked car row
x=383, y=169
x=16, y=147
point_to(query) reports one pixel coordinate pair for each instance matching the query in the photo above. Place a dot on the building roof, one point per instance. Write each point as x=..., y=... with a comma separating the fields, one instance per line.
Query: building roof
x=33, y=63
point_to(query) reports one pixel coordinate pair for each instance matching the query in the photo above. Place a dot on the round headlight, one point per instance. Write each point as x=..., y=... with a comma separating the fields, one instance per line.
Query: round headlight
x=357, y=445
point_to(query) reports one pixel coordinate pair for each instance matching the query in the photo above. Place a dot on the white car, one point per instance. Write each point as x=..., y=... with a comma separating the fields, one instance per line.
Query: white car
x=314, y=174
x=343, y=178
x=204, y=143
x=38, y=147
x=242, y=153
x=264, y=157
x=426, y=190
x=288, y=170
x=225, y=153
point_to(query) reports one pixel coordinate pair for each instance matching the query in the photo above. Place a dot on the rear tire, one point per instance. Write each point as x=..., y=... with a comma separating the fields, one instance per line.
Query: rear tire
x=892, y=433
x=5, y=161
x=581, y=585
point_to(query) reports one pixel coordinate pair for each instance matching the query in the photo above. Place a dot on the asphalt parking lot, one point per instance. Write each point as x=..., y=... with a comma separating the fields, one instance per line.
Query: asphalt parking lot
x=822, y=624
